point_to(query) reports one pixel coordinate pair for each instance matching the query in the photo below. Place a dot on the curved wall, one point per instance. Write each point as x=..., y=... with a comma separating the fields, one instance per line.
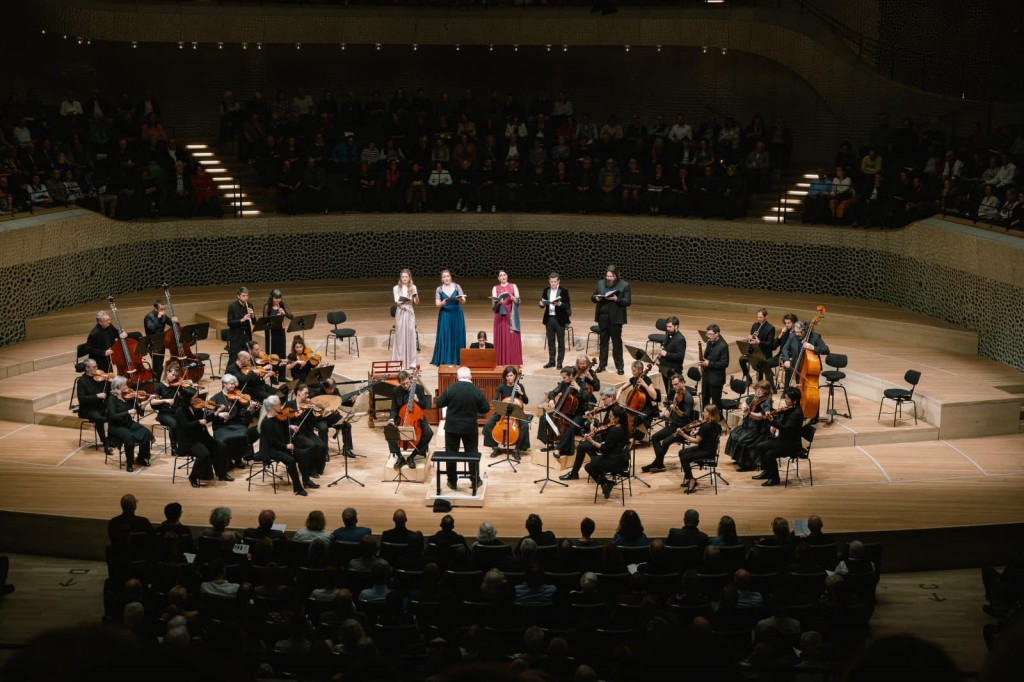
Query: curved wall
x=967, y=277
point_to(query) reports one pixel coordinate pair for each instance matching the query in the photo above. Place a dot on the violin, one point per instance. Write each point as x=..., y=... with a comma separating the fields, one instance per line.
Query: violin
x=775, y=413
x=256, y=370
x=316, y=409
x=677, y=402
x=264, y=359
x=101, y=377
x=198, y=403
x=286, y=414
x=236, y=396
x=183, y=383
x=601, y=429
x=692, y=425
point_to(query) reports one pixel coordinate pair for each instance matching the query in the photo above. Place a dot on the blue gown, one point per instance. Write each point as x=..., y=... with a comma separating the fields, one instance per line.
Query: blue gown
x=451, y=330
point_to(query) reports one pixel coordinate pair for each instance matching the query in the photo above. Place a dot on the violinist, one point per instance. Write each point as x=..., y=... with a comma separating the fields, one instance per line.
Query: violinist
x=788, y=423
x=762, y=336
x=677, y=414
x=308, y=444
x=124, y=407
x=276, y=443
x=193, y=417
x=796, y=344
x=399, y=398
x=272, y=365
x=155, y=322
x=754, y=428
x=274, y=307
x=590, y=446
x=557, y=311
x=163, y=401
x=714, y=364
x=511, y=390
x=703, y=439
x=335, y=419
x=298, y=359
x=672, y=352
x=606, y=444
x=92, y=389
x=640, y=385
x=231, y=420
x=241, y=319
x=249, y=377
x=566, y=386
x=100, y=344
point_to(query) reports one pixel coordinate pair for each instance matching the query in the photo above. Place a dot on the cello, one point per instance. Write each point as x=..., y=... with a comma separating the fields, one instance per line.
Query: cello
x=636, y=399
x=411, y=414
x=192, y=369
x=126, y=357
x=506, y=431
x=807, y=370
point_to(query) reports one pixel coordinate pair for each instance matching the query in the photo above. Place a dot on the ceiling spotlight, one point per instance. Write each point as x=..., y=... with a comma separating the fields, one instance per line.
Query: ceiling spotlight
x=195, y=45
x=515, y=48
x=565, y=48
x=79, y=40
x=704, y=50
x=457, y=47
x=181, y=45
x=42, y=31
x=88, y=41
x=135, y=44
x=245, y=46
x=298, y=46
x=723, y=50
x=259, y=46
x=627, y=48
x=658, y=48
x=377, y=45
x=548, y=47
x=490, y=48
x=415, y=46
x=220, y=46
x=65, y=36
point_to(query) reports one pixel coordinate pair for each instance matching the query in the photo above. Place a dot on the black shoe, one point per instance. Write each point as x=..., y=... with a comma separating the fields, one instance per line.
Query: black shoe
x=452, y=485
x=348, y=453
x=225, y=478
x=760, y=477
x=129, y=467
x=494, y=452
x=620, y=371
x=411, y=463
x=107, y=450
x=569, y=476
x=549, y=365
x=310, y=484
x=301, y=493
x=607, y=487
x=194, y=482
x=601, y=368
x=770, y=482
x=516, y=456
x=314, y=475
x=143, y=462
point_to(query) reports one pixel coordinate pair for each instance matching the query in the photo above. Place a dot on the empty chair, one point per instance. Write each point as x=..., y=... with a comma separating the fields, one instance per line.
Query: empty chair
x=803, y=454
x=341, y=333
x=225, y=353
x=486, y=557
x=900, y=396
x=655, y=340
x=693, y=374
x=594, y=331
x=739, y=387
x=833, y=380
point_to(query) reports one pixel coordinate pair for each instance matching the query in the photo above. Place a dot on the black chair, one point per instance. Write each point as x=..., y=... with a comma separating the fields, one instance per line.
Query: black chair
x=711, y=465
x=634, y=555
x=393, y=551
x=73, y=407
x=655, y=340
x=391, y=334
x=594, y=331
x=900, y=396
x=711, y=584
x=463, y=582
x=486, y=557
x=803, y=454
x=739, y=387
x=341, y=333
x=620, y=479
x=586, y=558
x=833, y=380
x=693, y=374
x=808, y=586
x=824, y=555
x=684, y=557
x=733, y=556
x=266, y=467
x=662, y=584
x=226, y=353
x=344, y=552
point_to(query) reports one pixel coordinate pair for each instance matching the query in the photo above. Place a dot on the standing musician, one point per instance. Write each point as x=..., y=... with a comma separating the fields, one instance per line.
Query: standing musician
x=248, y=377
x=275, y=444
x=241, y=318
x=334, y=420
x=155, y=322
x=557, y=311
x=703, y=442
x=672, y=352
x=678, y=413
x=99, y=345
x=641, y=382
x=612, y=297
x=788, y=421
x=123, y=408
x=274, y=307
x=743, y=439
x=92, y=400
x=795, y=346
x=306, y=439
x=298, y=359
x=762, y=336
x=193, y=418
x=399, y=397
x=788, y=320
x=569, y=385
x=231, y=420
x=464, y=403
x=714, y=364
x=508, y=391
x=165, y=396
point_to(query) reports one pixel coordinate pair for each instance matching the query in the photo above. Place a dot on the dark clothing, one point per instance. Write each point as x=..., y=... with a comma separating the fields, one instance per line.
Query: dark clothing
x=239, y=333
x=675, y=353
x=668, y=435
x=91, y=406
x=610, y=317
x=503, y=392
x=155, y=324
x=765, y=334
x=274, y=446
x=194, y=439
x=613, y=455
x=717, y=355
x=789, y=425
x=555, y=324
x=399, y=398
x=465, y=402
x=136, y=524
x=101, y=339
x=686, y=536
x=124, y=427
x=709, y=435
x=248, y=382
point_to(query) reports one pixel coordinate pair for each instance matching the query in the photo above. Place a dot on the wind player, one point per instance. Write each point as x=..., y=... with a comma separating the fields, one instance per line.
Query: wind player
x=677, y=414
x=555, y=302
x=762, y=336
x=399, y=397
x=673, y=351
x=241, y=318
x=714, y=364
x=155, y=322
x=612, y=296
x=505, y=390
x=100, y=344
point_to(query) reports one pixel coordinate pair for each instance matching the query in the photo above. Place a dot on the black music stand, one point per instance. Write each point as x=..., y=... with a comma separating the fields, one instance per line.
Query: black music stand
x=396, y=434
x=640, y=354
x=508, y=412
x=273, y=323
x=552, y=443
x=192, y=334
x=348, y=418
x=636, y=415
x=318, y=375
x=302, y=323
x=150, y=345
x=755, y=358
x=703, y=334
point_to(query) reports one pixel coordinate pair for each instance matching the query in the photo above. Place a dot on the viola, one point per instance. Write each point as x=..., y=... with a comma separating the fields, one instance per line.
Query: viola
x=192, y=368
x=601, y=429
x=256, y=370
x=677, y=402
x=264, y=359
x=692, y=425
x=183, y=383
x=236, y=396
x=411, y=414
x=126, y=357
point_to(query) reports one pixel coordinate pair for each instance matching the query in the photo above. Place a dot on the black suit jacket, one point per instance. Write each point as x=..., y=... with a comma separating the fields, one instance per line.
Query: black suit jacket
x=790, y=424
x=794, y=345
x=684, y=537
x=717, y=355
x=562, y=312
x=675, y=352
x=765, y=336
x=99, y=342
x=465, y=403
x=88, y=391
x=238, y=332
x=612, y=312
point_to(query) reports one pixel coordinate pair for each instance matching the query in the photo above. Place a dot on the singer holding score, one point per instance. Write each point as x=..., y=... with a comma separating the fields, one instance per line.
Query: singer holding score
x=612, y=297
x=406, y=297
x=508, y=343
x=451, y=323
x=557, y=310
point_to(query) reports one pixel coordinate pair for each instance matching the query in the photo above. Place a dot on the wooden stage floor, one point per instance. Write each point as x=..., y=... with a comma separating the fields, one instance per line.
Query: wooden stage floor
x=959, y=467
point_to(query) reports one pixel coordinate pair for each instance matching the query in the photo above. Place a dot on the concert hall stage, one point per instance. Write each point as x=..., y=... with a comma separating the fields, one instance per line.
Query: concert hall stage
x=956, y=476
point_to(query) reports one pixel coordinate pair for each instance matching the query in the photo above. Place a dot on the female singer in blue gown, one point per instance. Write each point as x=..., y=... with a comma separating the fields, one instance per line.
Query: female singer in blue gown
x=451, y=324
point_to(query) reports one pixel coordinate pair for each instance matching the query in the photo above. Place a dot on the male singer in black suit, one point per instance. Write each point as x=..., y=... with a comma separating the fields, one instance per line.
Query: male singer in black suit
x=762, y=337
x=399, y=398
x=240, y=321
x=99, y=346
x=789, y=425
x=557, y=310
x=797, y=342
x=154, y=323
x=465, y=403
x=612, y=297
x=673, y=351
x=716, y=360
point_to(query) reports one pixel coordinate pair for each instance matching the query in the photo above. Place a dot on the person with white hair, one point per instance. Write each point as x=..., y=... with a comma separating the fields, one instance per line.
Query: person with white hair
x=465, y=403
x=100, y=343
x=275, y=443
x=123, y=410
x=231, y=420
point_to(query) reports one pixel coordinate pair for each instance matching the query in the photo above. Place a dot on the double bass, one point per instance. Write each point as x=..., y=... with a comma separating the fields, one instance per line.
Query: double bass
x=192, y=368
x=506, y=431
x=807, y=369
x=411, y=414
x=126, y=357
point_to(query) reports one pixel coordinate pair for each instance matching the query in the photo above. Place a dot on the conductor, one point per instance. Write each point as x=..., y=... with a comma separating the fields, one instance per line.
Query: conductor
x=465, y=402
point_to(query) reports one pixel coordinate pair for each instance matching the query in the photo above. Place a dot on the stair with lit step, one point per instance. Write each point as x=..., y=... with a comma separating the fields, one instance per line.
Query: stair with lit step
x=236, y=181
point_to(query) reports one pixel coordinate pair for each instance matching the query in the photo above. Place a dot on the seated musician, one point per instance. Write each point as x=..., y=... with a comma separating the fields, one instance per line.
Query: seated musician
x=788, y=422
x=677, y=414
x=650, y=401
x=306, y=439
x=555, y=398
x=92, y=400
x=742, y=442
x=250, y=379
x=231, y=419
x=796, y=344
x=481, y=341
x=334, y=420
x=193, y=418
x=788, y=320
x=399, y=399
x=604, y=443
x=275, y=444
x=154, y=323
x=505, y=391
x=272, y=365
x=589, y=378
x=123, y=410
x=100, y=344
x=163, y=401
x=299, y=359
x=703, y=440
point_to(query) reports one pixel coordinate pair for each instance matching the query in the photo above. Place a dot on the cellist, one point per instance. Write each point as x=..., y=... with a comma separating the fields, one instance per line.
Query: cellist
x=567, y=386
x=641, y=396
x=798, y=342
x=154, y=323
x=510, y=390
x=399, y=398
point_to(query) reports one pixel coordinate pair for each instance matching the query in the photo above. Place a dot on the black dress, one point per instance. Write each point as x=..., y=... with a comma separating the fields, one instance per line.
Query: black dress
x=745, y=437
